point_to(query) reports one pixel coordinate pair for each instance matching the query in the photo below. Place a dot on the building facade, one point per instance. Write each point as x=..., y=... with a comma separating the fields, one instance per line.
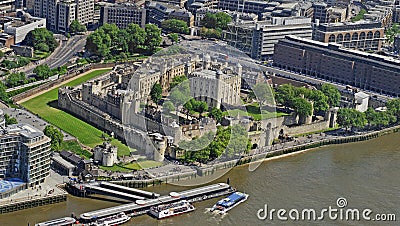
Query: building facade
x=122, y=14
x=332, y=62
x=25, y=154
x=105, y=154
x=364, y=35
x=257, y=39
x=60, y=13
x=20, y=27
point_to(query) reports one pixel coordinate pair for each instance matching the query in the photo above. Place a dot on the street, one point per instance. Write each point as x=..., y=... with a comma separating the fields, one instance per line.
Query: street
x=66, y=51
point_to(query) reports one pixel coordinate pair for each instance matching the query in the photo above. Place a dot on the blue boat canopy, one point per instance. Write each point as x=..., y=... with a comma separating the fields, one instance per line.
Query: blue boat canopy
x=230, y=200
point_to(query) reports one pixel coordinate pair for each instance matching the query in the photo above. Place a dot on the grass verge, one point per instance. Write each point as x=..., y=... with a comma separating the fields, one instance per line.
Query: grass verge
x=45, y=105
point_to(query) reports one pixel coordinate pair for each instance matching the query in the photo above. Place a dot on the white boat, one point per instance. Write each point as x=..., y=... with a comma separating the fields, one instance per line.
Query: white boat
x=172, y=209
x=58, y=222
x=226, y=204
x=112, y=220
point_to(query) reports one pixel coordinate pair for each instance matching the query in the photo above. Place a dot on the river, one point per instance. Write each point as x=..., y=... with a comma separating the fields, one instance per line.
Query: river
x=365, y=173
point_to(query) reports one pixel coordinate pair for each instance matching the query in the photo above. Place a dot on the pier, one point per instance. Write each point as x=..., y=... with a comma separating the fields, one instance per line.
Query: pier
x=106, y=191
x=143, y=206
x=128, y=190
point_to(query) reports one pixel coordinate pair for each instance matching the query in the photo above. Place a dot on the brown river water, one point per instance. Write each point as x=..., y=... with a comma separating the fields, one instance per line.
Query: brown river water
x=366, y=174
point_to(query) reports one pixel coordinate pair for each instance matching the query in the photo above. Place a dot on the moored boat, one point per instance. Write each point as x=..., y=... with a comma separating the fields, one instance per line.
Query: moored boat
x=112, y=220
x=172, y=209
x=65, y=221
x=226, y=204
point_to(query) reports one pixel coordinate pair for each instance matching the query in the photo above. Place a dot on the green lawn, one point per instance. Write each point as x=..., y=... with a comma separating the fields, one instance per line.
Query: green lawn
x=254, y=111
x=45, y=106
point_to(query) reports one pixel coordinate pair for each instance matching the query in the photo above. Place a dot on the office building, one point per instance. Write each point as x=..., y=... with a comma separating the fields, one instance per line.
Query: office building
x=332, y=62
x=122, y=14
x=60, y=13
x=257, y=39
x=364, y=35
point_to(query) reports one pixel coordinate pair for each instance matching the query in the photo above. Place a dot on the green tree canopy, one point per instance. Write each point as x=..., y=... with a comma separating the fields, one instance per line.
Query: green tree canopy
x=393, y=107
x=351, y=118
x=168, y=106
x=216, y=20
x=379, y=119
x=76, y=27
x=55, y=135
x=16, y=79
x=153, y=37
x=177, y=80
x=174, y=25
x=174, y=37
x=10, y=120
x=392, y=32
x=302, y=106
x=216, y=114
x=332, y=93
x=156, y=93
x=40, y=35
x=43, y=71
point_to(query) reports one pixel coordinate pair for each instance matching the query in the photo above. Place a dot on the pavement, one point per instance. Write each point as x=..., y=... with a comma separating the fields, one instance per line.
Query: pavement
x=49, y=187
x=24, y=116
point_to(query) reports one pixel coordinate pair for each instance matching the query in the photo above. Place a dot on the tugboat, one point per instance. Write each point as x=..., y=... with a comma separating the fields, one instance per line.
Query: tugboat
x=112, y=220
x=172, y=209
x=226, y=204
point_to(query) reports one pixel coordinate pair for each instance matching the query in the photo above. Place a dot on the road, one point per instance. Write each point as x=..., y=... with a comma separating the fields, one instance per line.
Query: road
x=316, y=81
x=66, y=51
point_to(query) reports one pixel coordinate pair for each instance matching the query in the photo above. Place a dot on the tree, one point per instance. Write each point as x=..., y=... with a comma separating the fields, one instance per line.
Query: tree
x=239, y=142
x=10, y=120
x=156, y=93
x=137, y=37
x=55, y=135
x=210, y=33
x=42, y=71
x=320, y=101
x=153, y=37
x=284, y=94
x=201, y=107
x=302, y=107
x=41, y=35
x=216, y=21
x=168, y=106
x=379, y=119
x=332, y=93
x=174, y=25
x=43, y=47
x=177, y=80
x=99, y=43
x=393, y=107
x=16, y=79
x=3, y=93
x=263, y=94
x=216, y=114
x=392, y=32
x=351, y=118
x=76, y=27
x=174, y=37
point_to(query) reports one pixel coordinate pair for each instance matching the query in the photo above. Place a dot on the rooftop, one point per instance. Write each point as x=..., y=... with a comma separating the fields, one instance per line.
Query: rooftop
x=23, y=129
